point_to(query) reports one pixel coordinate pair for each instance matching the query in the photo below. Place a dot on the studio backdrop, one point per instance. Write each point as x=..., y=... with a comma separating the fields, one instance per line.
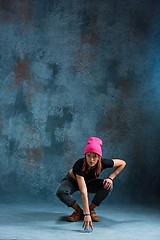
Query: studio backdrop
x=70, y=70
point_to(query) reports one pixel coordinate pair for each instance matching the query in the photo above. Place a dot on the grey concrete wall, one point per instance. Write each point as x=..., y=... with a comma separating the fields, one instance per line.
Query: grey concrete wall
x=70, y=70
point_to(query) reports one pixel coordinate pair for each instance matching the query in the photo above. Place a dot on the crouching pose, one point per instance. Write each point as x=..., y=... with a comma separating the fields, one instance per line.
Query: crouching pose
x=83, y=177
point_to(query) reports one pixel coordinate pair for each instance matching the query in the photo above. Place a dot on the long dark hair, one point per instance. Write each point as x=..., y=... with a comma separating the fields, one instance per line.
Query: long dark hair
x=98, y=166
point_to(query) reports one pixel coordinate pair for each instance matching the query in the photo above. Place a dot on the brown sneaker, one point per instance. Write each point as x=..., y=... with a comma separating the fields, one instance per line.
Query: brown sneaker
x=76, y=216
x=94, y=216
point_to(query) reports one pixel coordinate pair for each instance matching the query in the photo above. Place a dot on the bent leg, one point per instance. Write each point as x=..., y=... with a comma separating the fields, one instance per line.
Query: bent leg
x=96, y=186
x=101, y=195
x=65, y=190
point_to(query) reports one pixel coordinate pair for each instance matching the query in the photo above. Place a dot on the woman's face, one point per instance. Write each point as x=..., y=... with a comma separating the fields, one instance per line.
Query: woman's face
x=92, y=159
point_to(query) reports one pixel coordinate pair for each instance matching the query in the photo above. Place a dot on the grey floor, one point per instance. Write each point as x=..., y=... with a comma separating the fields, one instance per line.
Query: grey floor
x=47, y=222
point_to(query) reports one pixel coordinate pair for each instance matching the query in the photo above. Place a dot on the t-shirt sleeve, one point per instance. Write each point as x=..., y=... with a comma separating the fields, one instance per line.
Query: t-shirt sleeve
x=107, y=163
x=77, y=168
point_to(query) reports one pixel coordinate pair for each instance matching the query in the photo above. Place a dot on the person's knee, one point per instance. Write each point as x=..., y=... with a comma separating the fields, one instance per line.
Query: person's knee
x=59, y=193
x=62, y=193
x=110, y=189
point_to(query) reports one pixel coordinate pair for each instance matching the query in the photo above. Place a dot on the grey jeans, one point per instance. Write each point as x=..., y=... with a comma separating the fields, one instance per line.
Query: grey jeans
x=68, y=186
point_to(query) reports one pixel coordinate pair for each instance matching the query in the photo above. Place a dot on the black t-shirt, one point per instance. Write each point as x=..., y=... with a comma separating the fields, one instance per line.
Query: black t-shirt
x=78, y=166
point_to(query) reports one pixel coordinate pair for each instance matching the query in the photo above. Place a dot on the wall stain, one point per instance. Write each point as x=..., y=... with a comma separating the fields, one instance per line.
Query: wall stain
x=8, y=10
x=17, y=12
x=126, y=84
x=54, y=122
x=32, y=157
x=32, y=150
x=141, y=19
x=114, y=124
x=86, y=53
x=69, y=150
x=21, y=74
x=55, y=69
x=35, y=155
x=120, y=128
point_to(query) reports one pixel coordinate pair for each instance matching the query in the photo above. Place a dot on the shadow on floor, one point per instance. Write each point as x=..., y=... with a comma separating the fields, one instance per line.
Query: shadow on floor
x=103, y=221
x=56, y=219
x=60, y=228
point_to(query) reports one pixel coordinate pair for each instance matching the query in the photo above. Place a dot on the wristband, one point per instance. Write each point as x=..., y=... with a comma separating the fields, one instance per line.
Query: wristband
x=110, y=178
x=87, y=214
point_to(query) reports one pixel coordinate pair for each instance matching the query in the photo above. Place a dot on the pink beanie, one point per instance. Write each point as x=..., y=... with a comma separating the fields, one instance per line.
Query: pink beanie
x=94, y=145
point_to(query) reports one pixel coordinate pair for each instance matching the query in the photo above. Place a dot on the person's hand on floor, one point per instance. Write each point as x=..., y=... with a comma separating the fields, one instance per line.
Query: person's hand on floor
x=87, y=222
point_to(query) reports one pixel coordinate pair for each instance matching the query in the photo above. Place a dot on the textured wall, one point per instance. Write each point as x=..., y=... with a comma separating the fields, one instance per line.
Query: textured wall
x=70, y=70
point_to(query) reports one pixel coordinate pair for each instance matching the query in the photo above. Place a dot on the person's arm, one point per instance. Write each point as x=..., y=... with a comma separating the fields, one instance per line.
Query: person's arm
x=119, y=164
x=84, y=195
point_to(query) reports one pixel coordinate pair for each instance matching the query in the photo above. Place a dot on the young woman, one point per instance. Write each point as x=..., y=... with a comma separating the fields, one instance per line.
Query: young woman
x=83, y=177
